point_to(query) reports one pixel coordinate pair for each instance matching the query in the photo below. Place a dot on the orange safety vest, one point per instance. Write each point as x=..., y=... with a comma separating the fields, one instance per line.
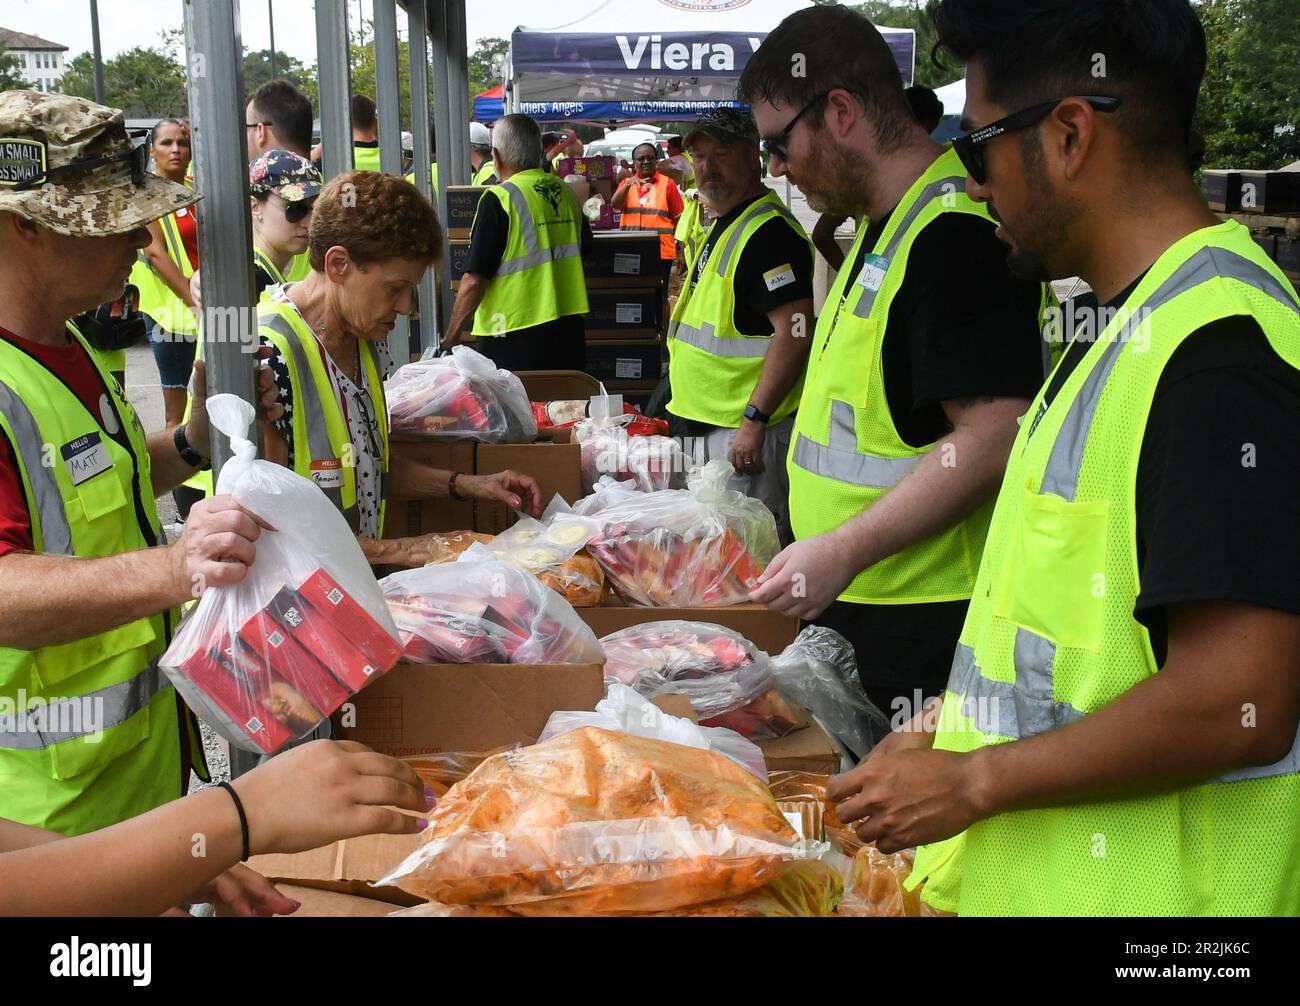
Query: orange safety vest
x=653, y=214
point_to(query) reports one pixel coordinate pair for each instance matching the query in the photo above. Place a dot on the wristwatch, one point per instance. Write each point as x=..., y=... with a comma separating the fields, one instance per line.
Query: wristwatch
x=753, y=412
x=188, y=454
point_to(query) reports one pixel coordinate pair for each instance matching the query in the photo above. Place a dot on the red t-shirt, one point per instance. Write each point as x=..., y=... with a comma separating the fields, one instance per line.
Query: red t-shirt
x=188, y=226
x=73, y=365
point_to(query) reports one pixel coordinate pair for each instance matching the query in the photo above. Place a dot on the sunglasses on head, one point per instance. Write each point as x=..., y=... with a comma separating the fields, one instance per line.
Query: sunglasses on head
x=968, y=145
x=137, y=158
x=776, y=146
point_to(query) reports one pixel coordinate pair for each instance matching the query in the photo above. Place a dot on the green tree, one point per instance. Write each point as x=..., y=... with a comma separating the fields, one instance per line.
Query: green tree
x=257, y=70
x=481, y=73
x=1249, y=112
x=11, y=78
x=913, y=14
x=143, y=82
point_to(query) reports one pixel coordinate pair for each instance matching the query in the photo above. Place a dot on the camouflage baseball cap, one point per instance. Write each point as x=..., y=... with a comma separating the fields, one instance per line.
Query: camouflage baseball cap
x=290, y=176
x=69, y=165
x=726, y=125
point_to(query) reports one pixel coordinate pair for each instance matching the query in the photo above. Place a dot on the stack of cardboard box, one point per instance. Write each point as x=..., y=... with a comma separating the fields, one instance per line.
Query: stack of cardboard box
x=1268, y=202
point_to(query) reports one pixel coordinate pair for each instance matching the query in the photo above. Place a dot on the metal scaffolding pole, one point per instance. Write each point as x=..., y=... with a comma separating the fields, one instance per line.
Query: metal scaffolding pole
x=100, y=91
x=389, y=100
x=335, y=88
x=456, y=163
x=215, y=86
x=417, y=21
x=438, y=37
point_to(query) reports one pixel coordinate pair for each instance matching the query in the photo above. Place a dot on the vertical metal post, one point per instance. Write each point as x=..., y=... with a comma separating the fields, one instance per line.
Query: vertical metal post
x=442, y=108
x=270, y=20
x=455, y=164
x=335, y=88
x=101, y=92
x=215, y=87
x=389, y=99
x=417, y=20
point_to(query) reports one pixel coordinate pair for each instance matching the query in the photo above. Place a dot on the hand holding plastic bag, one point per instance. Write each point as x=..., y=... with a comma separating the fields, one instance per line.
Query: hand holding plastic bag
x=264, y=660
x=463, y=396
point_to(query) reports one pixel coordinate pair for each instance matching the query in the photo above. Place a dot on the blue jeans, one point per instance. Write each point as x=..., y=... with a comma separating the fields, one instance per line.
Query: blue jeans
x=174, y=355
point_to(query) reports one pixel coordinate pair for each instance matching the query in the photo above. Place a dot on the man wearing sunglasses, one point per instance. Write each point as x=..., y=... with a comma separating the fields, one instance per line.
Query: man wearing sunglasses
x=924, y=355
x=89, y=589
x=1119, y=731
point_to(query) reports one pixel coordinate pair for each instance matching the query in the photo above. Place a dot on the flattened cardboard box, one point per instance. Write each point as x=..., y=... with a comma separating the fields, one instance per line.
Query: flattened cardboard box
x=344, y=868
x=424, y=708
x=768, y=630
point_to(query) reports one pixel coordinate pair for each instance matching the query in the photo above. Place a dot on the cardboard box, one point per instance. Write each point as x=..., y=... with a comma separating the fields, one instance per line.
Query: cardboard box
x=457, y=256
x=766, y=629
x=406, y=517
x=808, y=749
x=557, y=385
x=424, y=708
x=1287, y=255
x=601, y=166
x=1272, y=192
x=344, y=868
x=555, y=462
x=462, y=204
x=629, y=313
x=625, y=360
x=1222, y=190
x=623, y=258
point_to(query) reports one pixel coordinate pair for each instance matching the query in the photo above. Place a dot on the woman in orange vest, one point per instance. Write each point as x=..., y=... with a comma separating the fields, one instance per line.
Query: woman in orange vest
x=650, y=201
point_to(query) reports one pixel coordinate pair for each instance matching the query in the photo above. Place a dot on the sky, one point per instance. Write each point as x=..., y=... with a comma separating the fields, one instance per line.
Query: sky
x=124, y=24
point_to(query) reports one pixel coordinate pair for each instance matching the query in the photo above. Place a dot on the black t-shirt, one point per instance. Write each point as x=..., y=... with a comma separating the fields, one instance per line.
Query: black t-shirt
x=1218, y=515
x=961, y=326
x=775, y=269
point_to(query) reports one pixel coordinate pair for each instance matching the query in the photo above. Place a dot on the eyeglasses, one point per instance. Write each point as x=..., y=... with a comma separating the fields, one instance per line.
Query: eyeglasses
x=968, y=145
x=372, y=427
x=776, y=145
x=137, y=157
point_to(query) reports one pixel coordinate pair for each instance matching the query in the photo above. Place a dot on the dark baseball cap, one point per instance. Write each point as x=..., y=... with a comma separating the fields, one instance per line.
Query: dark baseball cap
x=726, y=125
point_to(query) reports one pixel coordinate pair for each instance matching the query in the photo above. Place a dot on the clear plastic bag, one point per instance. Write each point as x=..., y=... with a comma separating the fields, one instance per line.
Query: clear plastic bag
x=265, y=660
x=598, y=821
x=875, y=888
x=703, y=546
x=608, y=449
x=820, y=672
x=460, y=397
x=481, y=611
x=606, y=492
x=622, y=709
x=552, y=550
x=728, y=681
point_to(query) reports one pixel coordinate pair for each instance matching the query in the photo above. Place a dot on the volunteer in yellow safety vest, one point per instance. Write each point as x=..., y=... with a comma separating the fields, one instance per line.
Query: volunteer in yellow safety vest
x=739, y=334
x=482, y=169
x=523, y=283
x=372, y=237
x=365, y=134
x=925, y=353
x=1119, y=732
x=91, y=731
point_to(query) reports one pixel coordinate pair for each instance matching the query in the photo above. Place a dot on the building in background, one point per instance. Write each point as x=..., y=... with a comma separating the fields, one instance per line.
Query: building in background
x=40, y=61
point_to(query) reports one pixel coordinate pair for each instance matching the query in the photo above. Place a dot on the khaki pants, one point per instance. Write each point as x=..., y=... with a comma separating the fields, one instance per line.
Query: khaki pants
x=772, y=486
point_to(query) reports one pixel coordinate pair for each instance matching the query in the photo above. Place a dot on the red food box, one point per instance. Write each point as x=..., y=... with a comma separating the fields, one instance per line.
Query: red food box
x=344, y=636
x=211, y=671
x=272, y=647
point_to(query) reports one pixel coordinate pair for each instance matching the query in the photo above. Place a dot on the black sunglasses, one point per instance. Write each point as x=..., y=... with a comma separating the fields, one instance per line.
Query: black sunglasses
x=968, y=144
x=776, y=145
x=137, y=157
x=294, y=212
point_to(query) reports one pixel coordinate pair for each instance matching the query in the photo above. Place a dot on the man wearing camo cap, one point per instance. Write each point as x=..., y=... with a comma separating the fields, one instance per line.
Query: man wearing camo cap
x=91, y=732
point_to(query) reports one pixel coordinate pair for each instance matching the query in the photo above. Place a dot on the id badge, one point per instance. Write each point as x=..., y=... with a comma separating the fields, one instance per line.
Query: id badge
x=872, y=276
x=85, y=458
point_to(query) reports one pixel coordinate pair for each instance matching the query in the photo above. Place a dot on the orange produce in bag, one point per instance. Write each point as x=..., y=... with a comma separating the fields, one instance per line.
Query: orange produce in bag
x=597, y=821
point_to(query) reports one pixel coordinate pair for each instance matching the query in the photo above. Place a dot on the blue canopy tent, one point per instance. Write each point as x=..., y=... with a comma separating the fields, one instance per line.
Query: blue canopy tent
x=488, y=105
x=685, y=58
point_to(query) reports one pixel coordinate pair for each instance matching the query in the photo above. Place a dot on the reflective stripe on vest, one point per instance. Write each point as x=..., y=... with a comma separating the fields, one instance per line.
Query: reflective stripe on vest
x=56, y=535
x=738, y=229
x=318, y=434
x=30, y=729
x=534, y=254
x=1028, y=707
x=841, y=460
x=706, y=338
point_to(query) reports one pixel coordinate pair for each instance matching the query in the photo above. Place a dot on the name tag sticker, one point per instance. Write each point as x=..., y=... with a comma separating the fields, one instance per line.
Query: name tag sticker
x=85, y=458
x=327, y=473
x=782, y=275
x=873, y=272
